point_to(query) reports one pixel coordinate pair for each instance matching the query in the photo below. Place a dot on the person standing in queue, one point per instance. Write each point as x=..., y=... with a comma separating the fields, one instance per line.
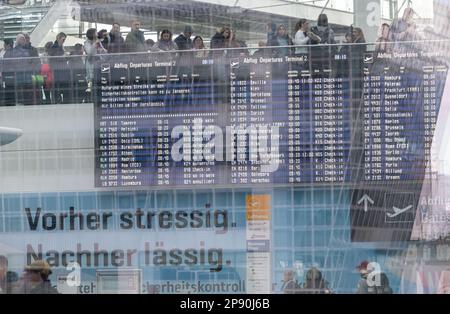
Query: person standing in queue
x=35, y=279
x=61, y=71
x=135, y=41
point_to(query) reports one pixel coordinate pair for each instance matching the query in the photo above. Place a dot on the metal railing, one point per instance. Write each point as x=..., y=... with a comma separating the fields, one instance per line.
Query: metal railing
x=66, y=79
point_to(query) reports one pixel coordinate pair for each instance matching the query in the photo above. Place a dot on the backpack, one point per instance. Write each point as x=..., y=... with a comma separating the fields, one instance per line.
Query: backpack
x=325, y=35
x=47, y=73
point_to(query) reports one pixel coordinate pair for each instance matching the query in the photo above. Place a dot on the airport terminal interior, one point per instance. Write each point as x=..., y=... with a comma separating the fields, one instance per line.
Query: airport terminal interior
x=224, y=147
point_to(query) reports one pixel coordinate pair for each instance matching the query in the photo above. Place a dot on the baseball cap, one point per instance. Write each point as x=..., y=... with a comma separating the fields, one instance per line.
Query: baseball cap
x=188, y=29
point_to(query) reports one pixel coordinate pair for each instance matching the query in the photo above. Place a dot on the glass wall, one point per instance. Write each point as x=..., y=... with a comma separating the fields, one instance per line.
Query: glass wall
x=217, y=153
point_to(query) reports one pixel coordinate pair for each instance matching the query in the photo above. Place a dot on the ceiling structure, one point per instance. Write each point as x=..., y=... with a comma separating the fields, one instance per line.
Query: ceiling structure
x=205, y=16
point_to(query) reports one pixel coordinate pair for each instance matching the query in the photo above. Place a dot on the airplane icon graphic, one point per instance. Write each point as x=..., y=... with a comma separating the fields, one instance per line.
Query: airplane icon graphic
x=105, y=68
x=398, y=211
x=368, y=58
x=234, y=64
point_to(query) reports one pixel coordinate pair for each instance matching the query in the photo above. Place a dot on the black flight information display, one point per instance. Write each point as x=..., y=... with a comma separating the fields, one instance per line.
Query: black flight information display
x=259, y=120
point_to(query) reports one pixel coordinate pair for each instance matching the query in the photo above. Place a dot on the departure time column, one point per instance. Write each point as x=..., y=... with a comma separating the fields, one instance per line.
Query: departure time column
x=239, y=103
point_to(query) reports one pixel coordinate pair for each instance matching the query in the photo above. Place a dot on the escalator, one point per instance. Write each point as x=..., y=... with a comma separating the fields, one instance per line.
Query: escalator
x=16, y=19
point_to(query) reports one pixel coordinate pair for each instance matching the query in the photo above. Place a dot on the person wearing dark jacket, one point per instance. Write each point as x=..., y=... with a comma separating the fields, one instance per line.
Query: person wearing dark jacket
x=372, y=282
x=282, y=40
x=18, y=73
x=346, y=53
x=28, y=45
x=322, y=53
x=3, y=274
x=103, y=38
x=219, y=41
x=234, y=43
x=271, y=33
x=116, y=42
x=78, y=69
x=6, y=95
x=135, y=41
x=35, y=64
x=184, y=41
x=315, y=283
x=61, y=71
x=36, y=279
x=290, y=285
x=271, y=29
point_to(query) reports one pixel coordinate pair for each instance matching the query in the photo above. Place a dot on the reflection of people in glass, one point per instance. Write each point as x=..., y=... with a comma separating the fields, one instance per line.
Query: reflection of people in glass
x=358, y=52
x=315, y=283
x=290, y=285
x=116, y=42
x=405, y=29
x=219, y=40
x=12, y=279
x=35, y=279
x=61, y=71
x=362, y=287
x=379, y=282
x=3, y=272
x=444, y=282
x=383, y=42
x=184, y=41
x=135, y=41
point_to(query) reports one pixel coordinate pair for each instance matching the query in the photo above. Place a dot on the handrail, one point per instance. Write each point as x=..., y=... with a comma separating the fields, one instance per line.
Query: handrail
x=243, y=48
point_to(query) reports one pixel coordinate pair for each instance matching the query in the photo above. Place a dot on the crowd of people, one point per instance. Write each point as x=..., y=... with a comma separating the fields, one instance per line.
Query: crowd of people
x=371, y=281
x=33, y=280
x=57, y=76
x=314, y=283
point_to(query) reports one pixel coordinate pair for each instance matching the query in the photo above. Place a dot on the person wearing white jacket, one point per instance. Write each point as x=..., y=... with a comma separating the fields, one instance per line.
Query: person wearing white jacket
x=92, y=48
x=304, y=37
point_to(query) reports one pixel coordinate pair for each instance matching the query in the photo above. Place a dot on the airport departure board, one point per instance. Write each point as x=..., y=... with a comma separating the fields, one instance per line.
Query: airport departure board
x=260, y=120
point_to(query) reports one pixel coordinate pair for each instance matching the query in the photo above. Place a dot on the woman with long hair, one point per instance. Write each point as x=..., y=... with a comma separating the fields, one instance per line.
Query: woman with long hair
x=219, y=41
x=199, y=48
x=283, y=40
x=384, y=42
x=233, y=42
x=165, y=42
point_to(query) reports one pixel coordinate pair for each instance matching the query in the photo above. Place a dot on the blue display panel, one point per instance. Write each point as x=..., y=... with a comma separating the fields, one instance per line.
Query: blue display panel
x=400, y=115
x=261, y=120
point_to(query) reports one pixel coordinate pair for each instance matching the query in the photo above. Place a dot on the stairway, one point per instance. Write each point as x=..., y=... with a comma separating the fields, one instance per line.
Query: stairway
x=14, y=20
